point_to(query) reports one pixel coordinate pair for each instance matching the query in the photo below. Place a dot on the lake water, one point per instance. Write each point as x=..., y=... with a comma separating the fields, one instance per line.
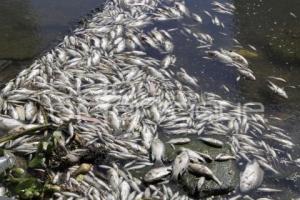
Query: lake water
x=29, y=27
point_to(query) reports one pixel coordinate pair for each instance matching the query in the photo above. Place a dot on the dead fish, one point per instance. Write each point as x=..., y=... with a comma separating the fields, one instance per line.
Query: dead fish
x=124, y=190
x=252, y=177
x=267, y=166
x=157, y=174
x=197, y=18
x=236, y=57
x=157, y=151
x=7, y=124
x=277, y=78
x=182, y=8
x=201, y=170
x=220, y=57
x=224, y=157
x=180, y=165
x=179, y=141
x=113, y=178
x=293, y=15
x=193, y=155
x=212, y=142
x=30, y=110
x=6, y=162
x=271, y=190
x=246, y=73
x=183, y=76
x=114, y=120
x=200, y=183
x=277, y=90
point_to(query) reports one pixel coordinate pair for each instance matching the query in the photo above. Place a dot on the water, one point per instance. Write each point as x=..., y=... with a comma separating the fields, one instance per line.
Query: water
x=30, y=27
x=272, y=28
x=269, y=25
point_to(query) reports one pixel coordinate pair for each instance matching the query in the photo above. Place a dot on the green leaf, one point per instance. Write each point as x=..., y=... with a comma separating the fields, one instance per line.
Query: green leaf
x=37, y=162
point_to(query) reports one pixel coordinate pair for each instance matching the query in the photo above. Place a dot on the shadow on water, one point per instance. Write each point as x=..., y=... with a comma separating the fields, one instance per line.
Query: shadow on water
x=30, y=27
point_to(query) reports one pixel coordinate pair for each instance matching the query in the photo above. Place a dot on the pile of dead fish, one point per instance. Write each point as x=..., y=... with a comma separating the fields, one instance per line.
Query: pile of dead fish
x=109, y=102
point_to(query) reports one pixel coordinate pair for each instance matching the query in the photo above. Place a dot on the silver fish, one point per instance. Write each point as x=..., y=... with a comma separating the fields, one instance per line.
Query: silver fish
x=180, y=165
x=157, y=174
x=212, y=142
x=201, y=170
x=252, y=177
x=157, y=151
x=179, y=141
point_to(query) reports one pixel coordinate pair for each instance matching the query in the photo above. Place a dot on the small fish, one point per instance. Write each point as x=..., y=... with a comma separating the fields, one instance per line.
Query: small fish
x=197, y=18
x=124, y=190
x=246, y=73
x=200, y=183
x=193, y=155
x=220, y=57
x=224, y=157
x=183, y=76
x=114, y=120
x=277, y=78
x=212, y=142
x=293, y=15
x=179, y=141
x=157, y=174
x=6, y=162
x=157, y=151
x=277, y=90
x=201, y=170
x=268, y=190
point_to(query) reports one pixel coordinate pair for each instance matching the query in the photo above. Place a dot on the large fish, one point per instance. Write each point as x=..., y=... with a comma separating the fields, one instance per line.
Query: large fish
x=180, y=164
x=252, y=177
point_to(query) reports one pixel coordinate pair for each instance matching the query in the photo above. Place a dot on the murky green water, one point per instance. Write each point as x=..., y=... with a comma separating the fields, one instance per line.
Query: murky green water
x=28, y=27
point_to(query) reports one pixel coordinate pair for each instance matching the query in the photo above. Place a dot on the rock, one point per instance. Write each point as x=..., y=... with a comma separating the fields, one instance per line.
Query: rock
x=229, y=176
x=226, y=171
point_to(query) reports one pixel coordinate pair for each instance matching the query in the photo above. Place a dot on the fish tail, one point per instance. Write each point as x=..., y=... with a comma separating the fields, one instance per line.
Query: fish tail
x=217, y=180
